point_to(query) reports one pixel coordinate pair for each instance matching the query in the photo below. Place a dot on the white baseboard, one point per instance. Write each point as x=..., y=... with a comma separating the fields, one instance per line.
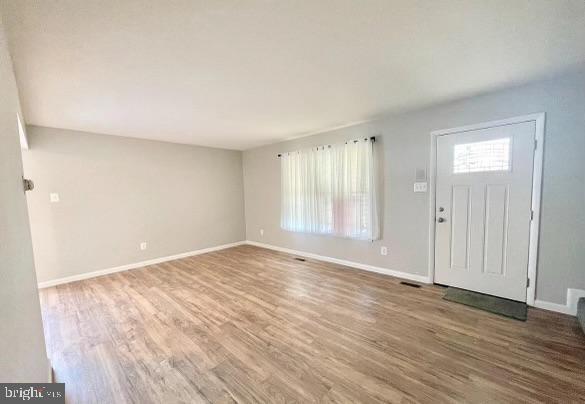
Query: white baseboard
x=569, y=308
x=560, y=308
x=365, y=267
x=573, y=296
x=93, y=274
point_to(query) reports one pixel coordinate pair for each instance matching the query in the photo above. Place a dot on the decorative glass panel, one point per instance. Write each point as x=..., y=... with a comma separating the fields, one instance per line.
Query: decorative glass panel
x=490, y=155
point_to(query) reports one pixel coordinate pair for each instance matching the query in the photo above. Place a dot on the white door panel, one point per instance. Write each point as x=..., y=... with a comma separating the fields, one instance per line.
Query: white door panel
x=483, y=202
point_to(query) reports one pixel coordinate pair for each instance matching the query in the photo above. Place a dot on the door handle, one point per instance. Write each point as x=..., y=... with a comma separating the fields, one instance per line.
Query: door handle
x=441, y=220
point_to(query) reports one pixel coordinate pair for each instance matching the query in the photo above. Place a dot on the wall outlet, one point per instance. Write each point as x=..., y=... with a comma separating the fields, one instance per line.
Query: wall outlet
x=383, y=250
x=143, y=245
x=261, y=232
x=54, y=197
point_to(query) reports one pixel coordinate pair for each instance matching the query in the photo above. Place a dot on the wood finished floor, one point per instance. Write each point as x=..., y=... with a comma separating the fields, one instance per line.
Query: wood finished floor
x=253, y=325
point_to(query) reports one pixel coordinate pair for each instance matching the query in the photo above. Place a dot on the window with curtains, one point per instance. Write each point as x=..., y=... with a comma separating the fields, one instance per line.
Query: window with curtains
x=330, y=190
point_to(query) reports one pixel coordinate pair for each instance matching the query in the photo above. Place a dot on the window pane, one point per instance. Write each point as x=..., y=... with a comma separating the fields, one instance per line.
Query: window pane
x=491, y=155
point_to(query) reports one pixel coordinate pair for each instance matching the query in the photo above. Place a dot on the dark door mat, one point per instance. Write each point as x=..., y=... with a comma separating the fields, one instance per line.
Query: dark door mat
x=493, y=304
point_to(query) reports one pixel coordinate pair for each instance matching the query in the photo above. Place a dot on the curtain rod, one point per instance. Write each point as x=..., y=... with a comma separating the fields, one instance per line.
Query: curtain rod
x=373, y=139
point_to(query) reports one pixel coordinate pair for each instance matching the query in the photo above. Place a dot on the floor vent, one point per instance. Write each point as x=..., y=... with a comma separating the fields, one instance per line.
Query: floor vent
x=412, y=285
x=300, y=259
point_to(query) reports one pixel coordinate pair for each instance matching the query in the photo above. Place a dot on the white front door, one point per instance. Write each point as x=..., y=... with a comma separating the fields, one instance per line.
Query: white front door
x=483, y=209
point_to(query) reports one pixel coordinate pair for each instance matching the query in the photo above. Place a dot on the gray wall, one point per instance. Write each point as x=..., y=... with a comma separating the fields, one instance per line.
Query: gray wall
x=403, y=145
x=116, y=192
x=23, y=357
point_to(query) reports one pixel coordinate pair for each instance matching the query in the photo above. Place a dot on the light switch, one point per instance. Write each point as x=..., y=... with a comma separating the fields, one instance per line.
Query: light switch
x=54, y=197
x=420, y=187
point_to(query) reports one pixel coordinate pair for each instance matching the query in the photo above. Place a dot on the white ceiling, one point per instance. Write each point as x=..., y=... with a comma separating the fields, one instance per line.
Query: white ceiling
x=237, y=74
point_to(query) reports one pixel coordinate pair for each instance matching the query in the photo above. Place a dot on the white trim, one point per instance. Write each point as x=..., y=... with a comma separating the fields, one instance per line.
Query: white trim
x=536, y=198
x=573, y=296
x=569, y=308
x=50, y=369
x=539, y=120
x=126, y=267
x=22, y=133
x=365, y=267
x=491, y=124
x=560, y=308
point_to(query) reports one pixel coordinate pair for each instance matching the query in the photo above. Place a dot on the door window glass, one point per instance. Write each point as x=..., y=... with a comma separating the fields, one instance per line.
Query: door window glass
x=490, y=155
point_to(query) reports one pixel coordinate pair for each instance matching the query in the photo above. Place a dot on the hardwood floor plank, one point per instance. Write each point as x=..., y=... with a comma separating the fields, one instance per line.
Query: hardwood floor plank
x=253, y=325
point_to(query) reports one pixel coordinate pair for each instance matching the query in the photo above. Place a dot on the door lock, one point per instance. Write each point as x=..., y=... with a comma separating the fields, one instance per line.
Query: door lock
x=441, y=220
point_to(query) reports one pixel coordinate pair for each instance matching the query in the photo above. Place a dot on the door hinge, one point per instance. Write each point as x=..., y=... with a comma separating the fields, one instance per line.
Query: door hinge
x=28, y=185
x=528, y=282
x=535, y=144
x=531, y=215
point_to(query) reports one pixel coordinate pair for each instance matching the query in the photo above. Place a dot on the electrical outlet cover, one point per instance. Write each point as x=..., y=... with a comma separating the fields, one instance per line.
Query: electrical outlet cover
x=420, y=187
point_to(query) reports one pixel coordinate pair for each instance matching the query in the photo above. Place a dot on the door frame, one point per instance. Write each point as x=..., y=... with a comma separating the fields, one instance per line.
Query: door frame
x=539, y=120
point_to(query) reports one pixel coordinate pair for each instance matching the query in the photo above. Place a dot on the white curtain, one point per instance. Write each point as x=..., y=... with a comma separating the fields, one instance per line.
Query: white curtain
x=330, y=190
